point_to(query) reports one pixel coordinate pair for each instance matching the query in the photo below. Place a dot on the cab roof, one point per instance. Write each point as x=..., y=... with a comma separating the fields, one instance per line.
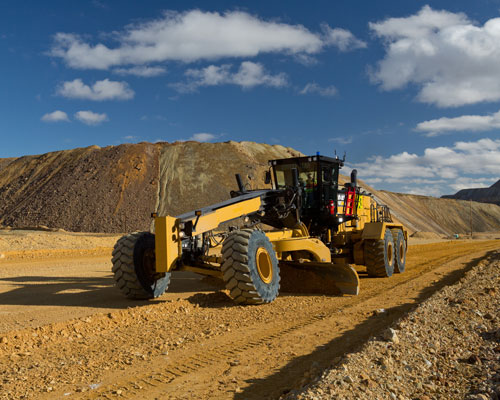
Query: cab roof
x=306, y=159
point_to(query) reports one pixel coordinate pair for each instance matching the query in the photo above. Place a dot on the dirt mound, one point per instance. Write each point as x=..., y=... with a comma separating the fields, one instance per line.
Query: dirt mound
x=483, y=195
x=87, y=189
x=34, y=240
x=443, y=216
x=115, y=189
x=194, y=175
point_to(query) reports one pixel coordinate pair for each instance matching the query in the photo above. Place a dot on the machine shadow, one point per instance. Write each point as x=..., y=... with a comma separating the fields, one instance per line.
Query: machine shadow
x=288, y=377
x=96, y=292
x=62, y=291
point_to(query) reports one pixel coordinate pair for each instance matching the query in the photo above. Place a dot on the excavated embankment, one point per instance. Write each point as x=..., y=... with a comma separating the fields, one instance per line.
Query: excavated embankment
x=88, y=189
x=442, y=216
x=115, y=189
x=193, y=175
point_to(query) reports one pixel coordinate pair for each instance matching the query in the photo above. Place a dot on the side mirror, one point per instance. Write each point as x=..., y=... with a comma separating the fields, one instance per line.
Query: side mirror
x=267, y=178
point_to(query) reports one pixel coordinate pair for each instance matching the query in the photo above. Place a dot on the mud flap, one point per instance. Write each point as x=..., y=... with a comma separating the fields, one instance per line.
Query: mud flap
x=318, y=278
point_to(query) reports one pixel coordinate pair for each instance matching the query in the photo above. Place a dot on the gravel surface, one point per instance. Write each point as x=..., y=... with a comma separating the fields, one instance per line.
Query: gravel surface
x=66, y=332
x=23, y=240
x=447, y=348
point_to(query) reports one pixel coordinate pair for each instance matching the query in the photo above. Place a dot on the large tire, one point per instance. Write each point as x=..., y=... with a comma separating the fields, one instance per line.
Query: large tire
x=379, y=256
x=250, y=267
x=134, y=267
x=399, y=250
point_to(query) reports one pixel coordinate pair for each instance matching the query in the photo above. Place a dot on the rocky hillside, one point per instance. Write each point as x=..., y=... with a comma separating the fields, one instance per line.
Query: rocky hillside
x=442, y=216
x=88, y=189
x=193, y=175
x=483, y=195
x=115, y=189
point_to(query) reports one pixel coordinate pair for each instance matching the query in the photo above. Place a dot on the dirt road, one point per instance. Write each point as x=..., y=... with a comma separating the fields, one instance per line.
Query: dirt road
x=67, y=333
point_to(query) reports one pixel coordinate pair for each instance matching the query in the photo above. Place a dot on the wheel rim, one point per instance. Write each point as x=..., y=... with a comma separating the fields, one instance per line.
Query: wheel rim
x=401, y=253
x=264, y=265
x=389, y=253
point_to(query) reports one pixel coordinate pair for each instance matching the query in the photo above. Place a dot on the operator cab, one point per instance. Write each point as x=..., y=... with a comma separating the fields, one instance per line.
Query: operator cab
x=318, y=178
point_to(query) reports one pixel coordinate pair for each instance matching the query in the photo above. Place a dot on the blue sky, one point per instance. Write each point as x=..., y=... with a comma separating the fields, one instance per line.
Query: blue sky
x=409, y=90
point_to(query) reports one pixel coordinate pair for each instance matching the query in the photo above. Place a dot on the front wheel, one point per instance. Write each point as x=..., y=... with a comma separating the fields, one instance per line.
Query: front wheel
x=250, y=267
x=134, y=267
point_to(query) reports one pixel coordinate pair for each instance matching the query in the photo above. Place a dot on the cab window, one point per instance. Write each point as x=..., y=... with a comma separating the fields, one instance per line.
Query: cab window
x=307, y=175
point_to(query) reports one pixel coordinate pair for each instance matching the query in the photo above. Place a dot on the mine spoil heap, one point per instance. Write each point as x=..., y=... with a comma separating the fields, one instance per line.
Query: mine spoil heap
x=115, y=188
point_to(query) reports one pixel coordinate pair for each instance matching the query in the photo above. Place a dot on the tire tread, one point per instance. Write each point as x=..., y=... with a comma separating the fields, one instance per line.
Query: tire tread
x=236, y=270
x=123, y=268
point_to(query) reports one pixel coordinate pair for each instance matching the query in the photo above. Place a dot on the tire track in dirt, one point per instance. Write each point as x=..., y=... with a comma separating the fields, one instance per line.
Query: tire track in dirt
x=196, y=367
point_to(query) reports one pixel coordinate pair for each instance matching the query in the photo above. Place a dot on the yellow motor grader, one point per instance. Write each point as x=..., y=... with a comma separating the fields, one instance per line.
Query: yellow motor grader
x=305, y=226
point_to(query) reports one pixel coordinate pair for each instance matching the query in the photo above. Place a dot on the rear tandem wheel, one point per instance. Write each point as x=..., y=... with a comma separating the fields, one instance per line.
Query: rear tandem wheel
x=400, y=250
x=379, y=256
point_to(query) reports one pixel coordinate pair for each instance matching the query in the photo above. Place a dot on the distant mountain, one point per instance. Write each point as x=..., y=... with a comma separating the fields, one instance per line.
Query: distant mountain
x=483, y=195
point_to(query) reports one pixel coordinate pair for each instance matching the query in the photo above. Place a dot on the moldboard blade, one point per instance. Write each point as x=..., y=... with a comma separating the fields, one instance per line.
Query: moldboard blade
x=318, y=278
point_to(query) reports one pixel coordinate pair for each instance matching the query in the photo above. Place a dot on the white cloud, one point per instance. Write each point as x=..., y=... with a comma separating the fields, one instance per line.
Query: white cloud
x=196, y=35
x=249, y=74
x=141, y=71
x=472, y=161
x=452, y=60
x=203, y=137
x=130, y=137
x=253, y=74
x=328, y=91
x=100, y=90
x=472, y=123
x=211, y=75
x=55, y=116
x=435, y=188
x=91, y=118
x=430, y=190
x=343, y=39
x=474, y=183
